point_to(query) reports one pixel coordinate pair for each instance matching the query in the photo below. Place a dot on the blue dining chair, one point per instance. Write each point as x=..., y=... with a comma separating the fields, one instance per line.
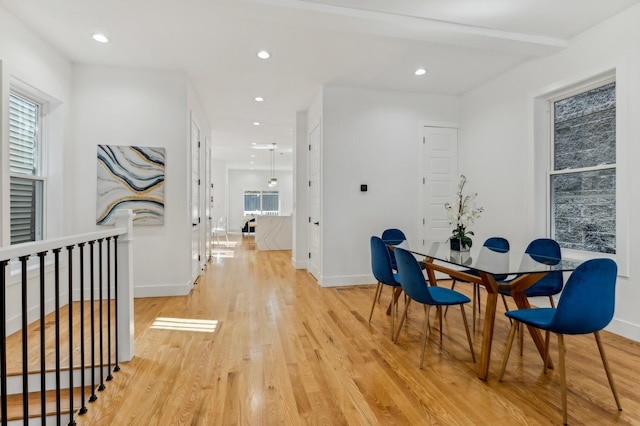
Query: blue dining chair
x=416, y=288
x=586, y=306
x=381, y=268
x=497, y=244
x=394, y=237
x=543, y=250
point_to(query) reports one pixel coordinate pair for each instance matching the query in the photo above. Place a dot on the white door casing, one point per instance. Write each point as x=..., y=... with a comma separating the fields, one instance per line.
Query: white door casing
x=314, y=203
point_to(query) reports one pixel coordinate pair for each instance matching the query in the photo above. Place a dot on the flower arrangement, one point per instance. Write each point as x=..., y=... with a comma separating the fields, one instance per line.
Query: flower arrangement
x=462, y=213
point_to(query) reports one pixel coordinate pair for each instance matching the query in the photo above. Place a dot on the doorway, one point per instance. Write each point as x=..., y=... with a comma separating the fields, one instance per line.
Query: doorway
x=440, y=177
x=195, y=201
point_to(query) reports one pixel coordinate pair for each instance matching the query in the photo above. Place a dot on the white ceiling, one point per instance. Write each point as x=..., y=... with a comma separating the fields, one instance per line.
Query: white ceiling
x=363, y=43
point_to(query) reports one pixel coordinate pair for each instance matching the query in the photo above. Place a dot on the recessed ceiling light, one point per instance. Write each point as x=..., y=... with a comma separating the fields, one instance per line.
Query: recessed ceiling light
x=256, y=123
x=253, y=155
x=263, y=54
x=420, y=71
x=100, y=38
x=259, y=99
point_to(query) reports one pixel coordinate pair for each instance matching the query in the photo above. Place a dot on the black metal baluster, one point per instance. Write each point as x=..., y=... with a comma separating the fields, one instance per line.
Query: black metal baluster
x=3, y=342
x=102, y=386
x=93, y=396
x=109, y=376
x=115, y=284
x=25, y=343
x=56, y=253
x=43, y=365
x=83, y=408
x=70, y=332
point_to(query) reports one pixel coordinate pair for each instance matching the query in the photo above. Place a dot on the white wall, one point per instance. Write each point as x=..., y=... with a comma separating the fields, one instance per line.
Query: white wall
x=250, y=180
x=371, y=137
x=120, y=106
x=26, y=57
x=30, y=59
x=497, y=144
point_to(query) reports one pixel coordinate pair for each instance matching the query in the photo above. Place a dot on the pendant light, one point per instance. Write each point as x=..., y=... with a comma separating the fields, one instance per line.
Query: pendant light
x=273, y=181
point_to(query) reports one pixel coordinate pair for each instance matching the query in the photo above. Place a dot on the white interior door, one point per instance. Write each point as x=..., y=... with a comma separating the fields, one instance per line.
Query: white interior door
x=440, y=178
x=314, y=203
x=195, y=201
x=208, y=197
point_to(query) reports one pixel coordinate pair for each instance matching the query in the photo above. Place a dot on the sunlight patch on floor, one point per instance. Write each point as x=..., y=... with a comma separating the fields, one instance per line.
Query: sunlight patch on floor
x=185, y=324
x=222, y=253
x=229, y=244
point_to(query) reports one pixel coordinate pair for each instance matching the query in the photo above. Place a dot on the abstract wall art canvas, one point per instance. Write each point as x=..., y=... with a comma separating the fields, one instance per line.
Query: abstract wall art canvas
x=131, y=177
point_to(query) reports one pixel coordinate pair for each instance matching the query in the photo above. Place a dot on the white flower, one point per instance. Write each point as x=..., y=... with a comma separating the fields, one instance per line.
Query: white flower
x=462, y=212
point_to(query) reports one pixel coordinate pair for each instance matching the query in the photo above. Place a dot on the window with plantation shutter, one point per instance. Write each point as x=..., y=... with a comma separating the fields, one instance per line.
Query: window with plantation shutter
x=26, y=182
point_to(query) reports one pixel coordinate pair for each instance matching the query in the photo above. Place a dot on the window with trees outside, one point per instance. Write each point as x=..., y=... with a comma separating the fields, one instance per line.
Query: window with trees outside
x=261, y=203
x=25, y=171
x=583, y=170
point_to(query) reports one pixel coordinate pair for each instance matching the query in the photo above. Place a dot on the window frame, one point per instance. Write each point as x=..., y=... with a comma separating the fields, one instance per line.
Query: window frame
x=539, y=151
x=551, y=171
x=261, y=212
x=46, y=104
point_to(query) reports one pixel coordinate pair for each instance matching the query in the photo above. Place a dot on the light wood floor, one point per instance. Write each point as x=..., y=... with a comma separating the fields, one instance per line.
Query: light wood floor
x=287, y=352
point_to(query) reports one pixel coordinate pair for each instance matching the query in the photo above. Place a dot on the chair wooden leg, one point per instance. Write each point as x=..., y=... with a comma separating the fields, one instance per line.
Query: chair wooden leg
x=394, y=313
x=440, y=318
x=380, y=293
x=563, y=378
x=376, y=297
x=477, y=287
x=546, y=350
x=426, y=314
x=424, y=337
x=404, y=315
x=521, y=338
x=506, y=308
x=607, y=370
x=453, y=284
x=405, y=302
x=512, y=334
x=395, y=293
x=553, y=304
x=466, y=328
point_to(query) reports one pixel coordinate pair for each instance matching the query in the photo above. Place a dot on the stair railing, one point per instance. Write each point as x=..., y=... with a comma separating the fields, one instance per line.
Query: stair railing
x=43, y=279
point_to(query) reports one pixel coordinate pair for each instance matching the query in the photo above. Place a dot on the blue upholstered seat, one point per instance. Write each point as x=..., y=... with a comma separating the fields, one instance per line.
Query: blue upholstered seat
x=544, y=250
x=497, y=244
x=415, y=287
x=381, y=268
x=586, y=306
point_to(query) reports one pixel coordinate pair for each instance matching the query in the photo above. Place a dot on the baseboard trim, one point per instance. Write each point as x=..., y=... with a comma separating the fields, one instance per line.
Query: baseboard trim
x=624, y=329
x=299, y=264
x=346, y=280
x=162, y=290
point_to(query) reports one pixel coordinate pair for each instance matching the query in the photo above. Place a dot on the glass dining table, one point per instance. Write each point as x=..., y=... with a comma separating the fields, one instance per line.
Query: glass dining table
x=480, y=265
